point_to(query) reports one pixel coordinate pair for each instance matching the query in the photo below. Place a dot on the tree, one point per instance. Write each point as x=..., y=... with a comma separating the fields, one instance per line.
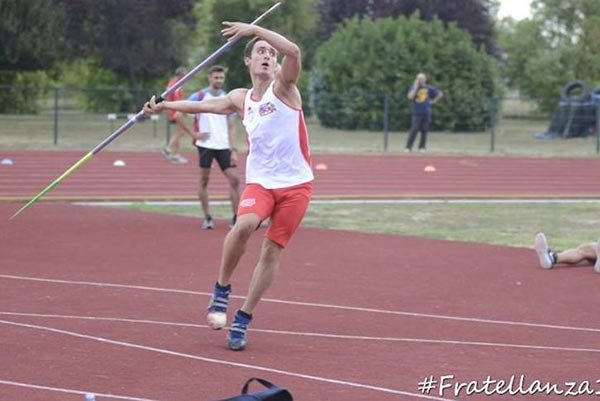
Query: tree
x=137, y=39
x=364, y=60
x=130, y=44
x=559, y=44
x=30, y=34
x=30, y=39
x=297, y=20
x=572, y=27
x=474, y=16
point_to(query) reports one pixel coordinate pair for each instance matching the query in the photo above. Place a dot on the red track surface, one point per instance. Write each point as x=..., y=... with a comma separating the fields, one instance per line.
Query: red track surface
x=149, y=176
x=112, y=301
x=444, y=308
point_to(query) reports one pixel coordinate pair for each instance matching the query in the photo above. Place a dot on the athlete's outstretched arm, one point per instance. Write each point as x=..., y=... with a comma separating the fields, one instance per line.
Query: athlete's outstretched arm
x=222, y=105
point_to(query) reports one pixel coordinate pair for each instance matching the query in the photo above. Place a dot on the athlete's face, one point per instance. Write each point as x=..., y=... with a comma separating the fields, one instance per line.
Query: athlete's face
x=263, y=59
x=216, y=80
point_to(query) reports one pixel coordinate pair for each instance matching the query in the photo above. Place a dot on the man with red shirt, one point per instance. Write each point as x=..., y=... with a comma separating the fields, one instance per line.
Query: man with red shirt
x=172, y=151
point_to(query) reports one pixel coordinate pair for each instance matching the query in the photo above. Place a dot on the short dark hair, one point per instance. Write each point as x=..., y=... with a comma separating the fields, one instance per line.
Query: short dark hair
x=216, y=68
x=250, y=46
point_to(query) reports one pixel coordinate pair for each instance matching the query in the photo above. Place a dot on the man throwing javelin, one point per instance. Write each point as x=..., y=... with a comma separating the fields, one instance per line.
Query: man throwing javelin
x=278, y=168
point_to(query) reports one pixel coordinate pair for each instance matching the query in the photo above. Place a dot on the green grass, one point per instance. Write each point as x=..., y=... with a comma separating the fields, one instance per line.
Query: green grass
x=566, y=225
x=82, y=131
x=77, y=131
x=512, y=137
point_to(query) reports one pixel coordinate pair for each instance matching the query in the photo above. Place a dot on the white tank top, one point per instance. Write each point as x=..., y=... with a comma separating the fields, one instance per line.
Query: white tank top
x=214, y=124
x=278, y=154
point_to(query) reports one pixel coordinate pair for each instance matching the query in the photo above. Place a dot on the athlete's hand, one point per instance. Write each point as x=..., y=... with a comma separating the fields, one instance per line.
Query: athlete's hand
x=237, y=29
x=234, y=156
x=151, y=107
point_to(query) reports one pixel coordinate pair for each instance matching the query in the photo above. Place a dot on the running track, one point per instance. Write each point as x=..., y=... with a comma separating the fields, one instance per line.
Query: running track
x=148, y=176
x=111, y=301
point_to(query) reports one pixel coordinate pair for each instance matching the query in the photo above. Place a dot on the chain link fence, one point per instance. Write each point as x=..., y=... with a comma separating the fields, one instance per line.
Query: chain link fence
x=79, y=118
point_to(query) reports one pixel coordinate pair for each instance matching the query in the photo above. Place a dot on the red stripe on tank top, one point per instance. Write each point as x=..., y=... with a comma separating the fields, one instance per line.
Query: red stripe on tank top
x=303, y=137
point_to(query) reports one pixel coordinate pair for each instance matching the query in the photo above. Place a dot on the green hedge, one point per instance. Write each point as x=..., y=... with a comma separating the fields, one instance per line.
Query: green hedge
x=366, y=60
x=21, y=91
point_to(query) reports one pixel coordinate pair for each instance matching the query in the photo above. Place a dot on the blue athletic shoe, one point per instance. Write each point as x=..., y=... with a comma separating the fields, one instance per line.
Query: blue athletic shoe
x=216, y=316
x=236, y=339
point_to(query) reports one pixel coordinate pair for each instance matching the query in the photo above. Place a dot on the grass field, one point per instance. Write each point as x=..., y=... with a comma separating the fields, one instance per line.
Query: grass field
x=82, y=131
x=566, y=224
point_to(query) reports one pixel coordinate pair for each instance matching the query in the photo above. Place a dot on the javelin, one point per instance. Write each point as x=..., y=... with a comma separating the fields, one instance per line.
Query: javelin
x=139, y=116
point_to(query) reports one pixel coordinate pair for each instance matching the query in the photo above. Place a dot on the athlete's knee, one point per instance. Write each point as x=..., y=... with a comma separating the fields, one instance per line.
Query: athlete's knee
x=245, y=226
x=271, y=252
x=234, y=181
x=204, y=179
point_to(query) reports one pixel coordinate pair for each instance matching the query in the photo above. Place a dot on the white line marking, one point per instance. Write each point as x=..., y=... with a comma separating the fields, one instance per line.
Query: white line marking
x=308, y=334
x=316, y=305
x=222, y=362
x=69, y=391
x=356, y=202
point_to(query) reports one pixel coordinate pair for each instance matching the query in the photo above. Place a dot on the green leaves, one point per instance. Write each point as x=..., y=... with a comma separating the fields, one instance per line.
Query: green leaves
x=31, y=34
x=559, y=44
x=365, y=60
x=297, y=20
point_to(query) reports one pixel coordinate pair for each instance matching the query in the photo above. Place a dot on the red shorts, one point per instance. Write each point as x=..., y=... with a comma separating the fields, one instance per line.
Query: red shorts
x=285, y=206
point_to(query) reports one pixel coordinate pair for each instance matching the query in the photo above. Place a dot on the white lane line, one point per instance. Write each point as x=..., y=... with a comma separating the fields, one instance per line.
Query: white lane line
x=71, y=391
x=359, y=202
x=316, y=305
x=309, y=334
x=222, y=362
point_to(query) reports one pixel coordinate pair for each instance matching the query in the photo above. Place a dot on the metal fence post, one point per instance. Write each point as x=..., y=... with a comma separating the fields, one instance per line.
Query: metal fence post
x=386, y=120
x=56, y=89
x=493, y=102
x=168, y=131
x=598, y=127
x=154, y=118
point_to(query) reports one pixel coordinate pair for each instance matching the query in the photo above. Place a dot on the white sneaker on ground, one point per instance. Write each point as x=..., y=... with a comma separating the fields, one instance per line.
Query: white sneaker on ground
x=543, y=252
x=166, y=152
x=216, y=315
x=216, y=320
x=597, y=249
x=178, y=159
x=207, y=223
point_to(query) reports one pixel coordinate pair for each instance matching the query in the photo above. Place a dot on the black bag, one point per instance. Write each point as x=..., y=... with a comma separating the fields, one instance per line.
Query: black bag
x=272, y=393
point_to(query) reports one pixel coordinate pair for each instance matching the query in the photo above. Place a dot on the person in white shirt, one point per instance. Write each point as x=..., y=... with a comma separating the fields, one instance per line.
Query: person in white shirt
x=278, y=167
x=218, y=142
